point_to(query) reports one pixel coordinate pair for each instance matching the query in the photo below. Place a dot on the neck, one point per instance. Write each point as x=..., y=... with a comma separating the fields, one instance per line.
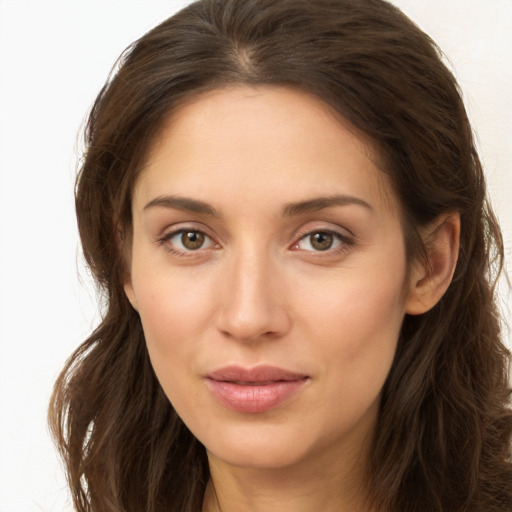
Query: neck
x=328, y=484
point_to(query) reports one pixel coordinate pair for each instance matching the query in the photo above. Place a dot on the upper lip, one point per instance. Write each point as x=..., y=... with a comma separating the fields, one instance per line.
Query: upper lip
x=263, y=374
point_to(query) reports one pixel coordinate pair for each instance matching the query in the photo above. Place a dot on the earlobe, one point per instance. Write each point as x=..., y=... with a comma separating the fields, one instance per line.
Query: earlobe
x=123, y=248
x=130, y=294
x=430, y=282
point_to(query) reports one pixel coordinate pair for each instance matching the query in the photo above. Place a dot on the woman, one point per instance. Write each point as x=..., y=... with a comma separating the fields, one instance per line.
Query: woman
x=284, y=206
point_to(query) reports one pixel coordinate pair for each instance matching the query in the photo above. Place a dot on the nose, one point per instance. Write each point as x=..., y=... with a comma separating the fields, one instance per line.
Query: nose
x=253, y=303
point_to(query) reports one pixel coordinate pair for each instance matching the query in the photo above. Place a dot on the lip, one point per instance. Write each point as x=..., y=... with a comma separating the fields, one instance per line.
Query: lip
x=254, y=390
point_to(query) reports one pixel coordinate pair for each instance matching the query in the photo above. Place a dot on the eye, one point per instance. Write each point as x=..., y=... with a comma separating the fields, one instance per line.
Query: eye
x=321, y=240
x=192, y=240
x=187, y=240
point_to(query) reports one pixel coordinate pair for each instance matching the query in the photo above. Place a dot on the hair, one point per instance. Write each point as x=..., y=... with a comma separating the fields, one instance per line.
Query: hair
x=442, y=440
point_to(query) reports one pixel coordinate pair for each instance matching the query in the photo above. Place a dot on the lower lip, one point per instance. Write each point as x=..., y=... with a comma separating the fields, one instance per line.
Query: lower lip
x=255, y=398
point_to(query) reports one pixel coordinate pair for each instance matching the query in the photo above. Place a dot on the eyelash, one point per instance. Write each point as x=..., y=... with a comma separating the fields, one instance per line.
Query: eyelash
x=177, y=252
x=344, y=242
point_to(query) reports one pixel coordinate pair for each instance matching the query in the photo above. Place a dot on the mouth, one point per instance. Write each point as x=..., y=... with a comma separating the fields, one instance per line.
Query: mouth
x=254, y=390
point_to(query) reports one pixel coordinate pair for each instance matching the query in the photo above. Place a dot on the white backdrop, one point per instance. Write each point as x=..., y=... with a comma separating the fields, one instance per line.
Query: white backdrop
x=54, y=57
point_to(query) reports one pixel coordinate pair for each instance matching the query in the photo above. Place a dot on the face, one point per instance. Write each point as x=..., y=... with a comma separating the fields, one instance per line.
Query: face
x=268, y=268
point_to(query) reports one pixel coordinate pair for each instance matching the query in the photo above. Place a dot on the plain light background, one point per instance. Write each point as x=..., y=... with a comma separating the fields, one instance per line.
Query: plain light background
x=54, y=58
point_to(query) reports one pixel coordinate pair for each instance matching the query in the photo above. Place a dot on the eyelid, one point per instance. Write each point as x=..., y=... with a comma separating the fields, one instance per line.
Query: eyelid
x=345, y=237
x=175, y=230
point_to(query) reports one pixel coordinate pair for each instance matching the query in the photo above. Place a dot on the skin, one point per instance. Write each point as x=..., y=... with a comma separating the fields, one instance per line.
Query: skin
x=257, y=291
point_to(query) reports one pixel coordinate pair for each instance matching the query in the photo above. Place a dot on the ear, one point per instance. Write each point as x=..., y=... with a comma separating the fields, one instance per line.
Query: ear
x=123, y=244
x=130, y=294
x=430, y=280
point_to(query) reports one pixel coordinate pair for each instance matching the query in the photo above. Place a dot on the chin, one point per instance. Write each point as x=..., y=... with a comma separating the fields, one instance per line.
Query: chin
x=270, y=446
x=267, y=457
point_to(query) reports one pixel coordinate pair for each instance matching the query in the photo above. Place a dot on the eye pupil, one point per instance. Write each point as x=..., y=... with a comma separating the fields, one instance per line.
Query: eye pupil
x=322, y=241
x=192, y=239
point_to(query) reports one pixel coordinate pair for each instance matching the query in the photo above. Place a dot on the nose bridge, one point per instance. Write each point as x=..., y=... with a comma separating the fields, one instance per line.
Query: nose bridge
x=251, y=304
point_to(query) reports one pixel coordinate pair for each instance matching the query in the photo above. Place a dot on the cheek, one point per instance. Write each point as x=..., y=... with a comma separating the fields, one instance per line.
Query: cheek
x=354, y=331
x=370, y=313
x=174, y=312
x=356, y=322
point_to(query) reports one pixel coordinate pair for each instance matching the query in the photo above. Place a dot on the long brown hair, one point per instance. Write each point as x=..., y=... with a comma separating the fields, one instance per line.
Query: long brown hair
x=442, y=441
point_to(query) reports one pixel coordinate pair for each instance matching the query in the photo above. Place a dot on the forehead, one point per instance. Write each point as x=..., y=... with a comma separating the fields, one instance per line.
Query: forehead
x=266, y=142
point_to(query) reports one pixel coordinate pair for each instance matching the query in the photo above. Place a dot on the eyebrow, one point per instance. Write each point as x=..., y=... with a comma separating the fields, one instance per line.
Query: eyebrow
x=289, y=210
x=183, y=203
x=321, y=203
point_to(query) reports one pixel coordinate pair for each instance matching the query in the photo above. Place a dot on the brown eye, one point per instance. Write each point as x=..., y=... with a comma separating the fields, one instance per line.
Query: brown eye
x=321, y=241
x=192, y=240
x=183, y=242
